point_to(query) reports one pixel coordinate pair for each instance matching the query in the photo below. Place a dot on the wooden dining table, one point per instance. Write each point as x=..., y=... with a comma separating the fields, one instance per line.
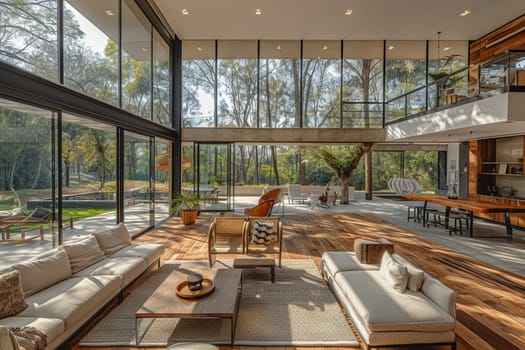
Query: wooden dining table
x=472, y=206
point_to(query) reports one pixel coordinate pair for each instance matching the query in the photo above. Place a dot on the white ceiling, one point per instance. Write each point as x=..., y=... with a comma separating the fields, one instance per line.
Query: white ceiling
x=325, y=19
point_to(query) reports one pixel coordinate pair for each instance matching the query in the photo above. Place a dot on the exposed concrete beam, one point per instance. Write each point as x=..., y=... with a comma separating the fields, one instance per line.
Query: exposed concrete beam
x=283, y=135
x=410, y=147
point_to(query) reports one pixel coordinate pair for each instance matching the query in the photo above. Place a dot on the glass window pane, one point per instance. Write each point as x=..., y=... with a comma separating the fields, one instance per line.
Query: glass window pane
x=161, y=80
x=362, y=83
x=27, y=175
x=136, y=60
x=89, y=175
x=91, y=48
x=138, y=204
x=237, y=83
x=198, y=83
x=405, y=66
x=321, y=83
x=28, y=36
x=279, y=64
x=163, y=170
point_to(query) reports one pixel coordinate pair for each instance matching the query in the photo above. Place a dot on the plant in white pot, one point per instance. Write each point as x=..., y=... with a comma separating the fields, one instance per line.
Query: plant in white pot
x=187, y=206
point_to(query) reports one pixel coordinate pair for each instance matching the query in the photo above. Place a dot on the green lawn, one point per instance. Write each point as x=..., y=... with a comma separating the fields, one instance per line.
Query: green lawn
x=82, y=213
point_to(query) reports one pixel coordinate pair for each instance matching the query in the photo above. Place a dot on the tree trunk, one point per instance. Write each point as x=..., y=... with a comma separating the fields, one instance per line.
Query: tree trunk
x=344, y=181
x=367, y=64
x=275, y=165
x=302, y=167
x=256, y=167
x=38, y=172
x=68, y=168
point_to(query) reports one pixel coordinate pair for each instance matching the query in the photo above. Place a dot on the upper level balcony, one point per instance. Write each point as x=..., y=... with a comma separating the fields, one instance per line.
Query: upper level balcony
x=475, y=102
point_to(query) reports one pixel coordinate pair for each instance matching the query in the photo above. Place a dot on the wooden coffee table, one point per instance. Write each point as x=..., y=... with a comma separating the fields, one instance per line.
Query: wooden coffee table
x=223, y=302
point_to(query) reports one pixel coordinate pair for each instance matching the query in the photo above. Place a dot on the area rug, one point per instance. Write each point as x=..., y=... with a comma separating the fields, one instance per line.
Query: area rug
x=297, y=310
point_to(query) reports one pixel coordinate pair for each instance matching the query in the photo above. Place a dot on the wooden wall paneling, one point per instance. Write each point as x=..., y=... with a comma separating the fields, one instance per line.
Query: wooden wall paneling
x=479, y=52
x=473, y=168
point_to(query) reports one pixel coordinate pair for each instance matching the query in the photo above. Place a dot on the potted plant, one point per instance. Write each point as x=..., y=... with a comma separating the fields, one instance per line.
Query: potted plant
x=187, y=206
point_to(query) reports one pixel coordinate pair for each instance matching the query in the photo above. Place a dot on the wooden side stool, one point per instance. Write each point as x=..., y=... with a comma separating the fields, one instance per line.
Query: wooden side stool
x=254, y=263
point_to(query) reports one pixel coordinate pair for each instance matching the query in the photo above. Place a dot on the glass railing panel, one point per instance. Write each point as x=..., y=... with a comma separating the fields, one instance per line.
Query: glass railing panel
x=415, y=102
x=395, y=110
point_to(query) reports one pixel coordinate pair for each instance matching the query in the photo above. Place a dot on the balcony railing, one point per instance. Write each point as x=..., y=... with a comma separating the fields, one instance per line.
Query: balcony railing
x=500, y=74
x=362, y=115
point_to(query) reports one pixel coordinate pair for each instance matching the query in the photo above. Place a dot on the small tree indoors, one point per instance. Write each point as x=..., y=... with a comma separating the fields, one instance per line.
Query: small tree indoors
x=343, y=165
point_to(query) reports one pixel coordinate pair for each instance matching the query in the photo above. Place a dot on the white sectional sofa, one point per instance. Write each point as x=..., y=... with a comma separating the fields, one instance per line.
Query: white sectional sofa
x=421, y=313
x=64, y=288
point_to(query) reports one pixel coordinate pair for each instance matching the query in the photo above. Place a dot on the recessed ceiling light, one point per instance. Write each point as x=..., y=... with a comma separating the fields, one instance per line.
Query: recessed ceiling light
x=446, y=48
x=465, y=13
x=325, y=47
x=258, y=12
x=185, y=12
x=278, y=47
x=199, y=49
x=109, y=13
x=144, y=49
x=391, y=47
x=348, y=12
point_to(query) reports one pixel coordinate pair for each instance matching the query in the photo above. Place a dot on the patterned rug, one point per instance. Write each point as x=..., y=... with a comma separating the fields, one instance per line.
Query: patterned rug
x=298, y=309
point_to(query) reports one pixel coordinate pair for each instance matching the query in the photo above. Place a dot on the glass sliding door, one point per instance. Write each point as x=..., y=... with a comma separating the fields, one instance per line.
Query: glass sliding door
x=163, y=169
x=214, y=176
x=28, y=196
x=138, y=183
x=89, y=175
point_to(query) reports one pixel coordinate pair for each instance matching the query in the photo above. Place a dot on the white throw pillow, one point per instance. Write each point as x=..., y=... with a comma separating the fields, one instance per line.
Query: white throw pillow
x=43, y=272
x=113, y=239
x=415, y=278
x=83, y=253
x=393, y=273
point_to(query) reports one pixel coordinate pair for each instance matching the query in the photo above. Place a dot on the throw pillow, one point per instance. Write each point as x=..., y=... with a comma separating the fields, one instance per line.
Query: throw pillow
x=83, y=253
x=415, y=278
x=114, y=239
x=11, y=294
x=393, y=273
x=43, y=271
x=262, y=232
x=30, y=338
x=40, y=213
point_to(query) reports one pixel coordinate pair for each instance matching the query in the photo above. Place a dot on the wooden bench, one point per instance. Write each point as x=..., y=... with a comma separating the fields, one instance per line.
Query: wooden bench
x=254, y=263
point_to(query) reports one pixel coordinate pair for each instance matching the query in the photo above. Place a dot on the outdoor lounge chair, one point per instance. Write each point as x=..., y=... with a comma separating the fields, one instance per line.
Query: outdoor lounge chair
x=23, y=223
x=261, y=209
x=294, y=194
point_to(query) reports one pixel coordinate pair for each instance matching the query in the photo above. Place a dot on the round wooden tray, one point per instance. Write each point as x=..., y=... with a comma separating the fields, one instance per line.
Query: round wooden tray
x=184, y=292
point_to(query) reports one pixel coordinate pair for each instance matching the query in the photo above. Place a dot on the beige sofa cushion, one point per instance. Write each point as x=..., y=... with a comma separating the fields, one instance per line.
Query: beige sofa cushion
x=394, y=273
x=384, y=309
x=113, y=239
x=415, y=278
x=73, y=300
x=126, y=268
x=83, y=253
x=334, y=262
x=44, y=271
x=52, y=327
x=150, y=252
x=11, y=294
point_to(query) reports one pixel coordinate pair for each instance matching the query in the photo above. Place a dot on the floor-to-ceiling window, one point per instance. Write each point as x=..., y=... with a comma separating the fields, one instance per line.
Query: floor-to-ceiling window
x=91, y=48
x=237, y=83
x=198, y=87
x=28, y=36
x=138, y=190
x=279, y=67
x=89, y=175
x=161, y=80
x=28, y=196
x=405, y=70
x=321, y=83
x=136, y=60
x=363, y=83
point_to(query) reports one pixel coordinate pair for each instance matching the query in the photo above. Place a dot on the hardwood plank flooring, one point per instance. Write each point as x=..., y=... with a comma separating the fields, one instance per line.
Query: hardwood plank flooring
x=490, y=301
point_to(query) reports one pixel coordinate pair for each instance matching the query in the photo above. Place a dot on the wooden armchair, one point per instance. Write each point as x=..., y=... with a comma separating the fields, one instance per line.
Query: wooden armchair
x=273, y=246
x=226, y=236
x=261, y=209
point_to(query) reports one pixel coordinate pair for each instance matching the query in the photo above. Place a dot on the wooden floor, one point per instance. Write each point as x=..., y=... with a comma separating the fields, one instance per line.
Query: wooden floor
x=490, y=301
